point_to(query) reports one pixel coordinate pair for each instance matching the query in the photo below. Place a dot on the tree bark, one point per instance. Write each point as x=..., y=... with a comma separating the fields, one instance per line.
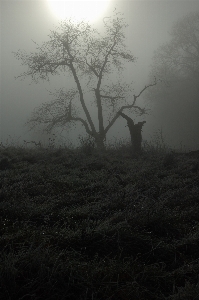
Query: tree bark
x=135, y=132
x=99, y=140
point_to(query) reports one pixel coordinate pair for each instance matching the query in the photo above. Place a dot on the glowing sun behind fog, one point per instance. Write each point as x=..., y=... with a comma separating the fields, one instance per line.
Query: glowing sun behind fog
x=79, y=10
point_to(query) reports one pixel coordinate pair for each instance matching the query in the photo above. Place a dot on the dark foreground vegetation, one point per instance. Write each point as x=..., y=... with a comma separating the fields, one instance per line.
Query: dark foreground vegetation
x=77, y=224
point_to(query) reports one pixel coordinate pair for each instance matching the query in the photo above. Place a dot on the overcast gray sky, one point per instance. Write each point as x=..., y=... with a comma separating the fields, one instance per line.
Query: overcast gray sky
x=23, y=21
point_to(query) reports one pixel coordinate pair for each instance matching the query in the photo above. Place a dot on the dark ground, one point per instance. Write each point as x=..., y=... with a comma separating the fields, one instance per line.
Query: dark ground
x=76, y=224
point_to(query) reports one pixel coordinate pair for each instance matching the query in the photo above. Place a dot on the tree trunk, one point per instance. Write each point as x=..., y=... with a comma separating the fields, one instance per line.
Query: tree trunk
x=135, y=132
x=99, y=140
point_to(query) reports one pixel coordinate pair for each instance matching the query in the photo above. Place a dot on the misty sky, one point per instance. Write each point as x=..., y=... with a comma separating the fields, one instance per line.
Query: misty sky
x=22, y=22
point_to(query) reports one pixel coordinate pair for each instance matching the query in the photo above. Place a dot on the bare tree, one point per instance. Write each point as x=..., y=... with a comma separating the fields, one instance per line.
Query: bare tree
x=178, y=60
x=175, y=98
x=84, y=54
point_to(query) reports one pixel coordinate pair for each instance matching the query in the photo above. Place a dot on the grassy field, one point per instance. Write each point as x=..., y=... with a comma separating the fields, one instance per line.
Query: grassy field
x=77, y=224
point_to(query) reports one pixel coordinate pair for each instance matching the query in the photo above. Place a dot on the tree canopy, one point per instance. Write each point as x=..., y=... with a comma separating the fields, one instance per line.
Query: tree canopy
x=179, y=58
x=85, y=55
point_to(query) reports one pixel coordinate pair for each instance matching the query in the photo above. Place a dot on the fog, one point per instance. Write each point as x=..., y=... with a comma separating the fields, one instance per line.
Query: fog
x=23, y=22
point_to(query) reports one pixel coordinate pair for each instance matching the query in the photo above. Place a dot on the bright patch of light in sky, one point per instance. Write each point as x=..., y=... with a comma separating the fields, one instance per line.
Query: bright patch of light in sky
x=79, y=10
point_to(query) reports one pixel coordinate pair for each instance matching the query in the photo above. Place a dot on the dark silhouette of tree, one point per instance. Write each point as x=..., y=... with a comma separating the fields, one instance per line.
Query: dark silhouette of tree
x=84, y=54
x=135, y=132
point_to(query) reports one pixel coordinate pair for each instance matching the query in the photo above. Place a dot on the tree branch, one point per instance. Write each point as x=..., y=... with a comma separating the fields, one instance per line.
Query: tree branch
x=129, y=106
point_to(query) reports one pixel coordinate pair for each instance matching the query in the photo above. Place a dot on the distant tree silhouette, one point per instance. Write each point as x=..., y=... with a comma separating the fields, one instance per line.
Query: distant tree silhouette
x=135, y=132
x=175, y=98
x=84, y=54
